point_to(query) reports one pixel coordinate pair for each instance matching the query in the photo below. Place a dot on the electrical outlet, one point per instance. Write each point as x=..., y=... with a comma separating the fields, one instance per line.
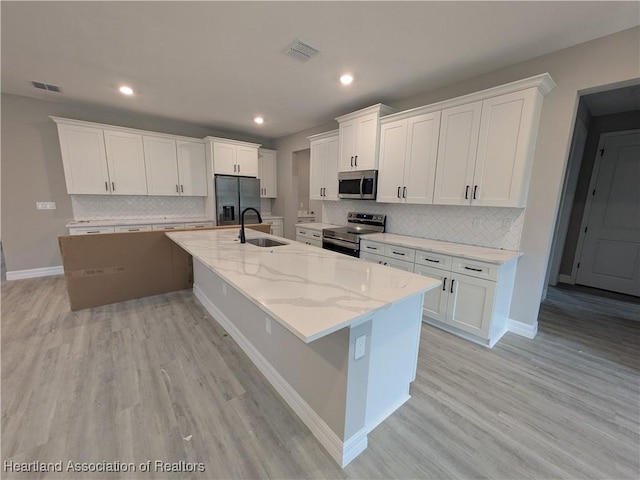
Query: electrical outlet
x=45, y=205
x=268, y=325
x=361, y=344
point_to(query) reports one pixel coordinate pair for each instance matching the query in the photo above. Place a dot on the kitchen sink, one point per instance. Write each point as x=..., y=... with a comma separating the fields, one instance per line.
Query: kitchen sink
x=265, y=242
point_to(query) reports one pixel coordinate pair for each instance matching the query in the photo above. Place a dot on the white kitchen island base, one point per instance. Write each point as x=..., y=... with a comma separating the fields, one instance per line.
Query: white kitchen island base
x=340, y=399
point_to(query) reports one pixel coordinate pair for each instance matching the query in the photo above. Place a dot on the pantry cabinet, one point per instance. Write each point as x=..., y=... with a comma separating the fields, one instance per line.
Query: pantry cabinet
x=231, y=157
x=486, y=150
x=125, y=160
x=267, y=173
x=408, y=152
x=323, y=173
x=359, y=136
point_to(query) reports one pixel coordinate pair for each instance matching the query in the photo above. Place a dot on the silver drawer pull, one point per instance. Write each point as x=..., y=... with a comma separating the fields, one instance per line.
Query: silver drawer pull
x=371, y=248
x=429, y=260
x=93, y=231
x=473, y=269
x=398, y=253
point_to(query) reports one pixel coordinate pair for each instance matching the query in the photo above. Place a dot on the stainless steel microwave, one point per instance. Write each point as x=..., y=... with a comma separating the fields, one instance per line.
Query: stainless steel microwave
x=361, y=185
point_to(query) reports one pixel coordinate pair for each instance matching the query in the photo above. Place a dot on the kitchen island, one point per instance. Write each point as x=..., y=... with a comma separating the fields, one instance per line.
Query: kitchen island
x=337, y=337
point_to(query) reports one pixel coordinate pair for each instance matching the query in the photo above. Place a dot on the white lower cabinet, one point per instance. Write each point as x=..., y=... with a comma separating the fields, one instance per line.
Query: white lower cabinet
x=90, y=230
x=474, y=298
x=277, y=226
x=132, y=228
x=309, y=237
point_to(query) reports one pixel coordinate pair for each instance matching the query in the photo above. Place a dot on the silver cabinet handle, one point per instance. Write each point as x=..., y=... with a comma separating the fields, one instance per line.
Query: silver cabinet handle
x=238, y=168
x=398, y=192
x=177, y=191
x=113, y=186
x=181, y=188
x=404, y=192
x=106, y=185
x=356, y=160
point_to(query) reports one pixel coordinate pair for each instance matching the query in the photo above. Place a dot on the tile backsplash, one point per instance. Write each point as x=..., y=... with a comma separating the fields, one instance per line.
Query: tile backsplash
x=493, y=227
x=107, y=207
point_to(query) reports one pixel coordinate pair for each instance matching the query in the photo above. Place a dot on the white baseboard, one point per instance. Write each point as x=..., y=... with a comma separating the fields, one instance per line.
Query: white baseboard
x=522, y=329
x=342, y=452
x=566, y=279
x=35, y=272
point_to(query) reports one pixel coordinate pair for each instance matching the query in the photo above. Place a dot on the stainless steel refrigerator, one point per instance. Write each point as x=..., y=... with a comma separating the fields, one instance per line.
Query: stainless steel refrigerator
x=233, y=195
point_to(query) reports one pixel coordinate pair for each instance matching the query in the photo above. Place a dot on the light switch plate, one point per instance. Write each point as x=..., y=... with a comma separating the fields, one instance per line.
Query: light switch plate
x=45, y=205
x=361, y=344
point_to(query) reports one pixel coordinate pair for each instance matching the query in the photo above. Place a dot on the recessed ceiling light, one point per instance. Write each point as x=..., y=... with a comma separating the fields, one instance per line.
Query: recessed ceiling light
x=346, y=79
x=126, y=90
x=259, y=120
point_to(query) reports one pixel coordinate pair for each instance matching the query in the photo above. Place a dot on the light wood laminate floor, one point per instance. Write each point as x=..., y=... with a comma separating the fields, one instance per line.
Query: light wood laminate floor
x=158, y=379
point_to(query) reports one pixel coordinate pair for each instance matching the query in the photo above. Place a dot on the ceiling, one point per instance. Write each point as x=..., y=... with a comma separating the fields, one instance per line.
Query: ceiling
x=219, y=64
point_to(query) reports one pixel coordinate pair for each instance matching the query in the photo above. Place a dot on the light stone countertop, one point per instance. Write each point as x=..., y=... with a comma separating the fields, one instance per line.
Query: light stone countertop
x=310, y=291
x=136, y=221
x=272, y=217
x=316, y=226
x=471, y=252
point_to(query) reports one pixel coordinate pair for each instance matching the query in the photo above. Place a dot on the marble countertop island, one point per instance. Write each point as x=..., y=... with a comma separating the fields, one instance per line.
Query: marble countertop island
x=310, y=291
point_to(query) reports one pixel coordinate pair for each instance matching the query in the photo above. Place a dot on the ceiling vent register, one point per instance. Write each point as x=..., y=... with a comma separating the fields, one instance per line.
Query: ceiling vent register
x=47, y=86
x=300, y=51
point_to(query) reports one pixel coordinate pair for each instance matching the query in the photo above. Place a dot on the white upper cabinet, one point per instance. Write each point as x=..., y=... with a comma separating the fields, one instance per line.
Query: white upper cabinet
x=161, y=166
x=323, y=175
x=486, y=150
x=233, y=158
x=84, y=159
x=125, y=158
x=359, y=134
x=192, y=168
x=408, y=151
x=109, y=160
x=267, y=173
x=457, y=149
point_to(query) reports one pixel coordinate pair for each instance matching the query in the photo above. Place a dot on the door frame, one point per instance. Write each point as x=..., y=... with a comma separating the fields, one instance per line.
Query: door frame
x=587, y=207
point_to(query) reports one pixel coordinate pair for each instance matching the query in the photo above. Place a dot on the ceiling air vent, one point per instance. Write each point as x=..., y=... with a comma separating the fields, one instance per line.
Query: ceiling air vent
x=46, y=86
x=300, y=51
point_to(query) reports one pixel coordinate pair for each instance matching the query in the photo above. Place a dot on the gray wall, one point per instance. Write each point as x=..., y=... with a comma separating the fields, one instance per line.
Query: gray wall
x=303, y=158
x=598, y=126
x=32, y=171
x=586, y=68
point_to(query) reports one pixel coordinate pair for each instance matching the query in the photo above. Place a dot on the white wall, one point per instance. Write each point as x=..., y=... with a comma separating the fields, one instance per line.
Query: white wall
x=585, y=68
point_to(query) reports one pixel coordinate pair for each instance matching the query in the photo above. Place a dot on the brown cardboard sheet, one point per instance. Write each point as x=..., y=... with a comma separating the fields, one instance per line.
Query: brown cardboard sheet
x=114, y=267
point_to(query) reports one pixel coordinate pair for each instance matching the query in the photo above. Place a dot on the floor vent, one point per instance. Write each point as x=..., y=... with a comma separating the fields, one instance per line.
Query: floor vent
x=47, y=86
x=300, y=51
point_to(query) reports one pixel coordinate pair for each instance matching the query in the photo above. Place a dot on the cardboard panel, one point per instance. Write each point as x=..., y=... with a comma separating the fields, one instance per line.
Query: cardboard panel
x=114, y=267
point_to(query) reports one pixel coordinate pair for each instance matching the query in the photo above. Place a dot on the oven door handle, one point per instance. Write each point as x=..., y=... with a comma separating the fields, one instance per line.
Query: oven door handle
x=340, y=243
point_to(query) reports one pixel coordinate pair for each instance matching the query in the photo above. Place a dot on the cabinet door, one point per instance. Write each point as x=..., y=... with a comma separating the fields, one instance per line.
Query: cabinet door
x=435, y=300
x=317, y=170
x=420, y=158
x=161, y=166
x=470, y=306
x=267, y=172
x=331, y=169
x=504, y=149
x=457, y=147
x=125, y=158
x=192, y=168
x=393, y=143
x=347, y=142
x=366, y=143
x=247, y=161
x=224, y=158
x=84, y=159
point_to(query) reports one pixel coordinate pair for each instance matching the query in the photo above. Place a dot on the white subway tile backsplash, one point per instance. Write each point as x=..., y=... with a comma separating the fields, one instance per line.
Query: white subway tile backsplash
x=108, y=207
x=482, y=226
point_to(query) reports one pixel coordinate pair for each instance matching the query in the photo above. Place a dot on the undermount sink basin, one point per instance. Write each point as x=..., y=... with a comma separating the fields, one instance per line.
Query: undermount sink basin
x=265, y=242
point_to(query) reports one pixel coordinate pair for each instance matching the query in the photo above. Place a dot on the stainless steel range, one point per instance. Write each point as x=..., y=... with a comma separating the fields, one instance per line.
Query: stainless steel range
x=347, y=239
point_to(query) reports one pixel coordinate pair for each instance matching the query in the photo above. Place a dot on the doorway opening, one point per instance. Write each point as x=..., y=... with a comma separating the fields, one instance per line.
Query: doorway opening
x=597, y=240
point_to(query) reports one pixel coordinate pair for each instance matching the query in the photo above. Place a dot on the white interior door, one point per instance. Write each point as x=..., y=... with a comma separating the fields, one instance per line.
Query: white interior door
x=610, y=257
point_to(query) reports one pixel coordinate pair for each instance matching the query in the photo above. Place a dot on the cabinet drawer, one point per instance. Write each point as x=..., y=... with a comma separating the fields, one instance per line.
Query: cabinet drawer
x=435, y=260
x=387, y=261
x=400, y=253
x=371, y=247
x=473, y=268
x=199, y=225
x=168, y=226
x=90, y=230
x=133, y=228
x=303, y=232
x=316, y=236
